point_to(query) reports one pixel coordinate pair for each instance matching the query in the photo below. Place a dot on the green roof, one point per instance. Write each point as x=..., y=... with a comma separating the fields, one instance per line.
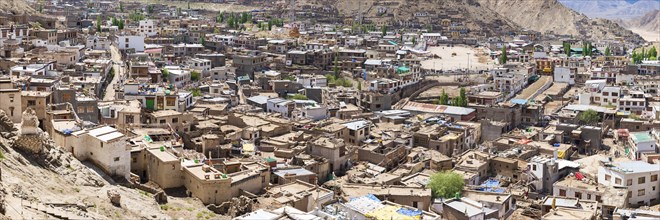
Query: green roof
x=641, y=136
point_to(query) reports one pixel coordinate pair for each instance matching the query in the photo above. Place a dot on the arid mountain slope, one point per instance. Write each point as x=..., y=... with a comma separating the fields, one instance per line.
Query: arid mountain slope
x=483, y=16
x=552, y=16
x=16, y=7
x=612, y=9
x=647, y=25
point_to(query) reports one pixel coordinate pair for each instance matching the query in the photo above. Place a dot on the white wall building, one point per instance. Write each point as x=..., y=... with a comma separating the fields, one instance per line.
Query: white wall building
x=280, y=105
x=200, y=65
x=640, y=178
x=565, y=74
x=147, y=28
x=178, y=76
x=641, y=142
x=105, y=146
x=126, y=42
x=97, y=43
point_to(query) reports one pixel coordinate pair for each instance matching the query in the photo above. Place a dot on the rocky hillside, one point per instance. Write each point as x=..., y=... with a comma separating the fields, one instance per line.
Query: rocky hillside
x=16, y=7
x=648, y=25
x=397, y=12
x=484, y=17
x=612, y=9
x=551, y=16
x=49, y=183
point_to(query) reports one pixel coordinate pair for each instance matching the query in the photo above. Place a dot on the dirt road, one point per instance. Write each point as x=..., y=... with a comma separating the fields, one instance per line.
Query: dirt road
x=119, y=73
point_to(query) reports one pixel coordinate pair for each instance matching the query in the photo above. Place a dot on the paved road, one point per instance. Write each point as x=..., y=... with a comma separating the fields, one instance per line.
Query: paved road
x=119, y=72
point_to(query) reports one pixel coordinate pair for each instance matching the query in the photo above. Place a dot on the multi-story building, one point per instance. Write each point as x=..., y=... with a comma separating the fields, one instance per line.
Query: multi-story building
x=128, y=42
x=147, y=28
x=638, y=177
x=10, y=100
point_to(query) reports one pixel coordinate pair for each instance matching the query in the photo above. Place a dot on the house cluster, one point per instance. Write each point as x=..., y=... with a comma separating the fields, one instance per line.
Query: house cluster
x=327, y=122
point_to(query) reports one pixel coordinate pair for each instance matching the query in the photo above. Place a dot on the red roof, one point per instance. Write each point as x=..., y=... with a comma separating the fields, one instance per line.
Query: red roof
x=579, y=176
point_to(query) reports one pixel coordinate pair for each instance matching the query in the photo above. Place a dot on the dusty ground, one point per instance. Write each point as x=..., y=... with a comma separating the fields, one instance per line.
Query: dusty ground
x=647, y=35
x=477, y=58
x=29, y=184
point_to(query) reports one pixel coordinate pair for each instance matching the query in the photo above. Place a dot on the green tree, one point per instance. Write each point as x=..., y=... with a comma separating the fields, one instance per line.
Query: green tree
x=335, y=68
x=446, y=184
x=608, y=52
x=462, y=98
x=196, y=92
x=503, y=57
x=165, y=74
x=221, y=17
x=643, y=53
x=589, y=117
x=652, y=53
x=121, y=7
x=121, y=24
x=188, y=5
x=298, y=97
x=444, y=98
x=98, y=23
x=178, y=11
x=150, y=9
x=383, y=29
x=359, y=86
x=41, y=8
x=584, y=49
x=567, y=48
x=414, y=41
x=194, y=76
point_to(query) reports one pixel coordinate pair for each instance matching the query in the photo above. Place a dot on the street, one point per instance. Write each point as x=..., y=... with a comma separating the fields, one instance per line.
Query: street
x=119, y=72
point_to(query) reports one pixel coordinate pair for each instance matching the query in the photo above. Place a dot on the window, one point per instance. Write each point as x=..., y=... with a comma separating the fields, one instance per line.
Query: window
x=11, y=98
x=641, y=192
x=654, y=177
x=598, y=198
x=629, y=182
x=31, y=102
x=608, y=177
x=562, y=192
x=116, y=159
x=534, y=167
x=175, y=120
x=588, y=196
x=129, y=119
x=81, y=109
x=171, y=101
x=617, y=181
x=162, y=121
x=641, y=180
x=414, y=204
x=90, y=108
x=66, y=97
x=629, y=194
x=578, y=195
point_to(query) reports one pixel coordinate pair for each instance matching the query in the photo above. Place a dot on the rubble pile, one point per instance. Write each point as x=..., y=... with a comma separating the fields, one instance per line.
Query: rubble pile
x=237, y=206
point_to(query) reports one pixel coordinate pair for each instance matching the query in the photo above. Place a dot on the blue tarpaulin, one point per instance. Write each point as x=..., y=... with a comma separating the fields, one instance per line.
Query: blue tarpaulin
x=409, y=212
x=519, y=101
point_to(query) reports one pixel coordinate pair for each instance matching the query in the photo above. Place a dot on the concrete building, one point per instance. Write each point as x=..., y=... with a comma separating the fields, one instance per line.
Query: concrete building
x=104, y=146
x=640, y=179
x=128, y=42
x=10, y=100
x=147, y=28
x=641, y=142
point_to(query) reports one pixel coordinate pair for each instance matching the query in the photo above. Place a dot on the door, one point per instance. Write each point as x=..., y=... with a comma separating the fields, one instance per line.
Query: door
x=150, y=103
